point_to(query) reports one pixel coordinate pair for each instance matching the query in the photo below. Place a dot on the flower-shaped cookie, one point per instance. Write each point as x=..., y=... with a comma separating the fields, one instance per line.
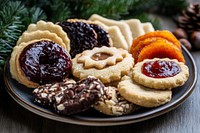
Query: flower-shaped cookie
x=101, y=57
x=108, y=64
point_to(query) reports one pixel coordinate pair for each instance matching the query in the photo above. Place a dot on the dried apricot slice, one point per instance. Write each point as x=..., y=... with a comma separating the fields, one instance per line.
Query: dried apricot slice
x=136, y=50
x=160, y=49
x=163, y=34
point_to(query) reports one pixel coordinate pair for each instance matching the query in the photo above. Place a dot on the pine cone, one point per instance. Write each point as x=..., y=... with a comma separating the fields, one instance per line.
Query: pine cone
x=190, y=18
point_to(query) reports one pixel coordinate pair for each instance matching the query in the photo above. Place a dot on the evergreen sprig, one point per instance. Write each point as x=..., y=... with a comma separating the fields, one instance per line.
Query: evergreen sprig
x=10, y=28
x=14, y=17
x=107, y=8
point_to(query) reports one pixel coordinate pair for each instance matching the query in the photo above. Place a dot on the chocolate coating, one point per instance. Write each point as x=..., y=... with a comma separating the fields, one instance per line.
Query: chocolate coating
x=45, y=62
x=79, y=97
x=45, y=94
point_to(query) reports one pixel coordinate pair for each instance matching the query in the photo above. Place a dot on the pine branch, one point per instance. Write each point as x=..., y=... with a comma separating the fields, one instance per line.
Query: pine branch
x=10, y=28
x=14, y=18
x=59, y=11
x=109, y=8
x=36, y=14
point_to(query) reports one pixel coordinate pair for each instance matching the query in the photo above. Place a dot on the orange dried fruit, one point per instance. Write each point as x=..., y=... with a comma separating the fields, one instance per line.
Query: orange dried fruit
x=160, y=49
x=162, y=34
x=137, y=49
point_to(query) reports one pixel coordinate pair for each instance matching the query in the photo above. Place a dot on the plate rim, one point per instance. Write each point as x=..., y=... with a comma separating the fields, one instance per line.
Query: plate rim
x=94, y=122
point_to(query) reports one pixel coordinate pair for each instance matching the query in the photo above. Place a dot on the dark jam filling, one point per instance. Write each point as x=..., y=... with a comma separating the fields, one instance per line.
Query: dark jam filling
x=102, y=36
x=45, y=62
x=82, y=36
x=160, y=69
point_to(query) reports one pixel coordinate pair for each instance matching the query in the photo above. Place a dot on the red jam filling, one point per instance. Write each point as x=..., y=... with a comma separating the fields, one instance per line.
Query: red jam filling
x=160, y=69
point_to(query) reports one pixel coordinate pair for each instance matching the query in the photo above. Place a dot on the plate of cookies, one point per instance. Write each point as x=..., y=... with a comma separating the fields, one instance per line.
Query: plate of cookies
x=99, y=71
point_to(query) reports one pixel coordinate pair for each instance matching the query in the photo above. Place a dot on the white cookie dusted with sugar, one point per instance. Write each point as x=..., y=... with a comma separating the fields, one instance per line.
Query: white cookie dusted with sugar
x=123, y=32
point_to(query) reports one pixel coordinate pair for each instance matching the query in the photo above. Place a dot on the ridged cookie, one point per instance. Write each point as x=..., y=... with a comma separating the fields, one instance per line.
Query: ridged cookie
x=141, y=95
x=148, y=27
x=37, y=35
x=124, y=28
x=136, y=27
x=51, y=27
x=115, y=35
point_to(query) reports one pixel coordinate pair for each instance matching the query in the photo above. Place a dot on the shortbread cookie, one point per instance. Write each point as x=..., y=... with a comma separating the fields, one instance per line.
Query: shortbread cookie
x=37, y=35
x=148, y=27
x=45, y=94
x=136, y=27
x=160, y=73
x=112, y=103
x=116, y=36
x=33, y=63
x=79, y=97
x=124, y=28
x=108, y=73
x=82, y=36
x=51, y=27
x=141, y=95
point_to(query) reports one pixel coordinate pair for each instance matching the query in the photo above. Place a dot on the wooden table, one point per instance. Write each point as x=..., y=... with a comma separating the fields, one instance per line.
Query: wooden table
x=184, y=119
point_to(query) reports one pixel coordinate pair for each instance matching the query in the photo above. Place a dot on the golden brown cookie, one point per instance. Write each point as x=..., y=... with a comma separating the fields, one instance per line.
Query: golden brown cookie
x=51, y=27
x=108, y=73
x=37, y=35
x=32, y=63
x=160, y=73
x=141, y=95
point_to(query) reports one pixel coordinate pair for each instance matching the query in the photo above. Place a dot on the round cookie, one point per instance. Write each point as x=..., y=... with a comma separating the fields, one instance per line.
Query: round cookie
x=141, y=95
x=112, y=103
x=51, y=27
x=114, y=65
x=38, y=35
x=163, y=82
x=80, y=97
x=30, y=75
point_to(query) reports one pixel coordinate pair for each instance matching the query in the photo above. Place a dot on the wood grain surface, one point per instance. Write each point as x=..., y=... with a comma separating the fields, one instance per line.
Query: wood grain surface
x=184, y=119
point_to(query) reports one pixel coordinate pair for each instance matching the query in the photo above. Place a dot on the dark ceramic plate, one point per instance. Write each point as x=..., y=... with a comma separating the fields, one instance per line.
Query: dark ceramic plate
x=24, y=97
